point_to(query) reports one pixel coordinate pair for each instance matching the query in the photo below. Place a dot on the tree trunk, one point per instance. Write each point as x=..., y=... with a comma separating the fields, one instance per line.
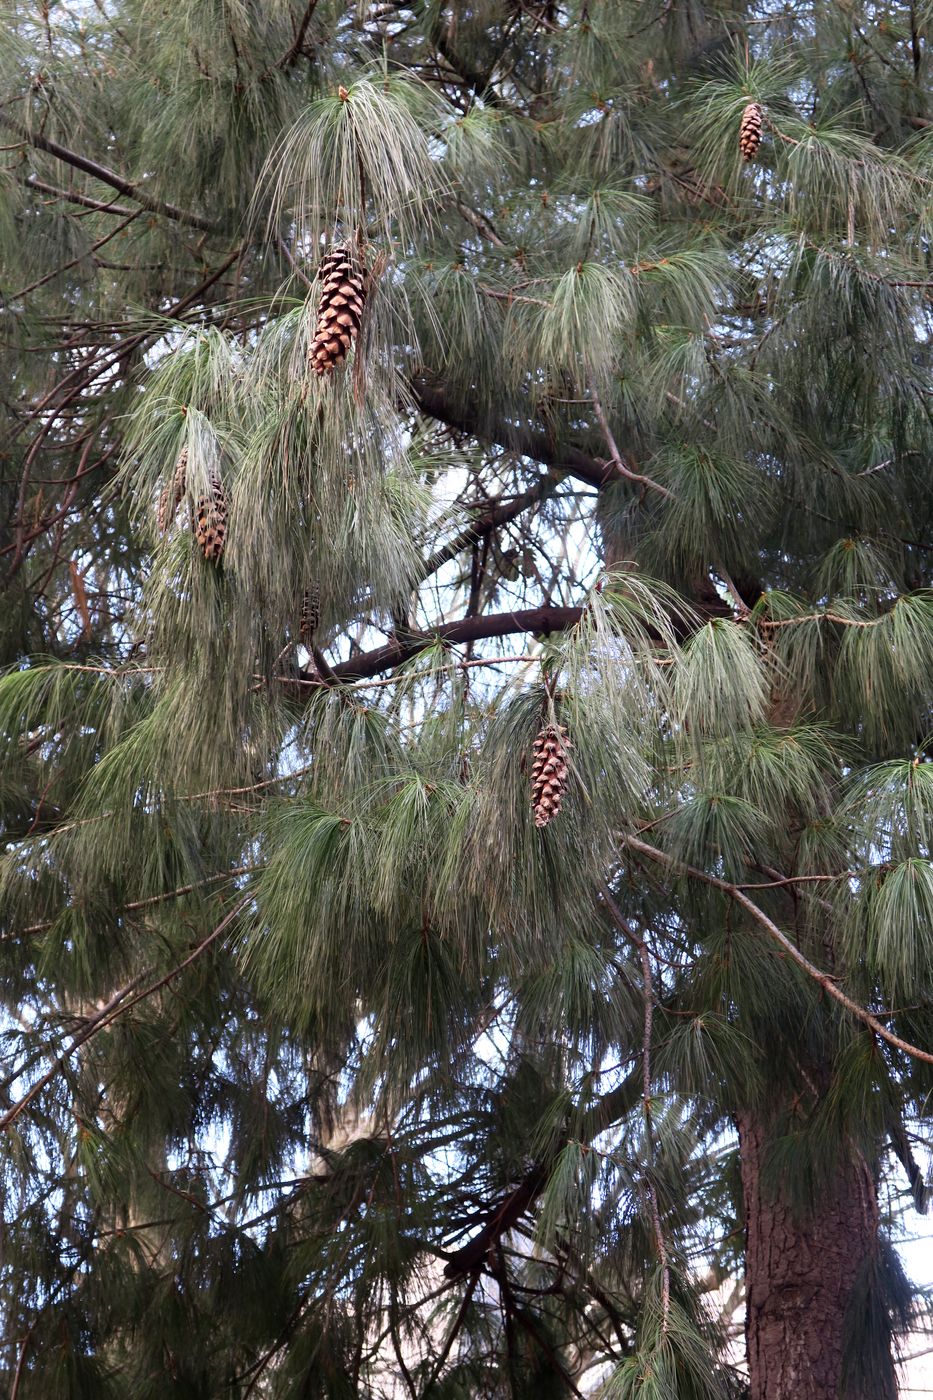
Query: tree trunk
x=801, y=1271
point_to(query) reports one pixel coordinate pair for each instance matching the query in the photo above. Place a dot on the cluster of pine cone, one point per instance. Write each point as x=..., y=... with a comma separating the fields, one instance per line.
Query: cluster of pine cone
x=340, y=310
x=549, y=772
x=209, y=517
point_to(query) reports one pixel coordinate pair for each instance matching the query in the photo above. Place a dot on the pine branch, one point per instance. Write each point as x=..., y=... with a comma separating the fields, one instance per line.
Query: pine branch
x=616, y=459
x=294, y=52
x=491, y=520
x=117, y=1006
x=106, y=176
x=544, y=619
x=822, y=979
x=433, y=399
x=510, y=1208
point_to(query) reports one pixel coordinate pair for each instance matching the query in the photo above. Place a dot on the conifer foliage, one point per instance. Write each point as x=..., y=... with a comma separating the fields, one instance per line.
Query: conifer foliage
x=466, y=818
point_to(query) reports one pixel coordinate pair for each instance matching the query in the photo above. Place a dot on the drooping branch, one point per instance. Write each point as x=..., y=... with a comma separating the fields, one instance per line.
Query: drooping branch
x=827, y=983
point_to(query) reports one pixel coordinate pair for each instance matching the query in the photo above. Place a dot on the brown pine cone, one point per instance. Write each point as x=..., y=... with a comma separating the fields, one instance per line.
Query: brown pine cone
x=340, y=310
x=750, y=131
x=210, y=521
x=549, y=772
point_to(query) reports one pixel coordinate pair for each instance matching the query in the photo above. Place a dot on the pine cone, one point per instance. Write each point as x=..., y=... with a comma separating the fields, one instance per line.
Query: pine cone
x=172, y=496
x=343, y=291
x=210, y=522
x=549, y=772
x=310, y=614
x=750, y=131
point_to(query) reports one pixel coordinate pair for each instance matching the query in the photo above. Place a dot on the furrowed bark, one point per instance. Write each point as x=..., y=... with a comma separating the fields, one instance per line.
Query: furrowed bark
x=801, y=1273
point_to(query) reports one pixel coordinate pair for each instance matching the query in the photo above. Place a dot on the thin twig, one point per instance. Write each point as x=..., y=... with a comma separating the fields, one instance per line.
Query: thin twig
x=617, y=458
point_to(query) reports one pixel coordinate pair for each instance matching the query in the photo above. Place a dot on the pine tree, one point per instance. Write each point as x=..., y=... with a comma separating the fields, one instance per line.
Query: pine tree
x=468, y=1007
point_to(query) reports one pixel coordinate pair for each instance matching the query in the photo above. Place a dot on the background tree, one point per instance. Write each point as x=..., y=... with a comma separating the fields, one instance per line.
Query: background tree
x=465, y=788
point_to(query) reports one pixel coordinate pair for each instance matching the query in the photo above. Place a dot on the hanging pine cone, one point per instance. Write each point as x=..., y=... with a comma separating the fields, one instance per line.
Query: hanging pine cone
x=210, y=521
x=310, y=614
x=172, y=496
x=343, y=291
x=549, y=772
x=750, y=131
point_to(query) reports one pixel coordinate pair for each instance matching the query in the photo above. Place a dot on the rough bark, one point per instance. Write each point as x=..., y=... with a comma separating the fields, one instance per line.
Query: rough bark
x=801, y=1272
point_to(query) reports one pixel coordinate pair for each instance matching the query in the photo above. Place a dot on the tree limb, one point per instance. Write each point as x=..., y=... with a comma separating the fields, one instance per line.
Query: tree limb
x=432, y=399
x=467, y=629
x=106, y=176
